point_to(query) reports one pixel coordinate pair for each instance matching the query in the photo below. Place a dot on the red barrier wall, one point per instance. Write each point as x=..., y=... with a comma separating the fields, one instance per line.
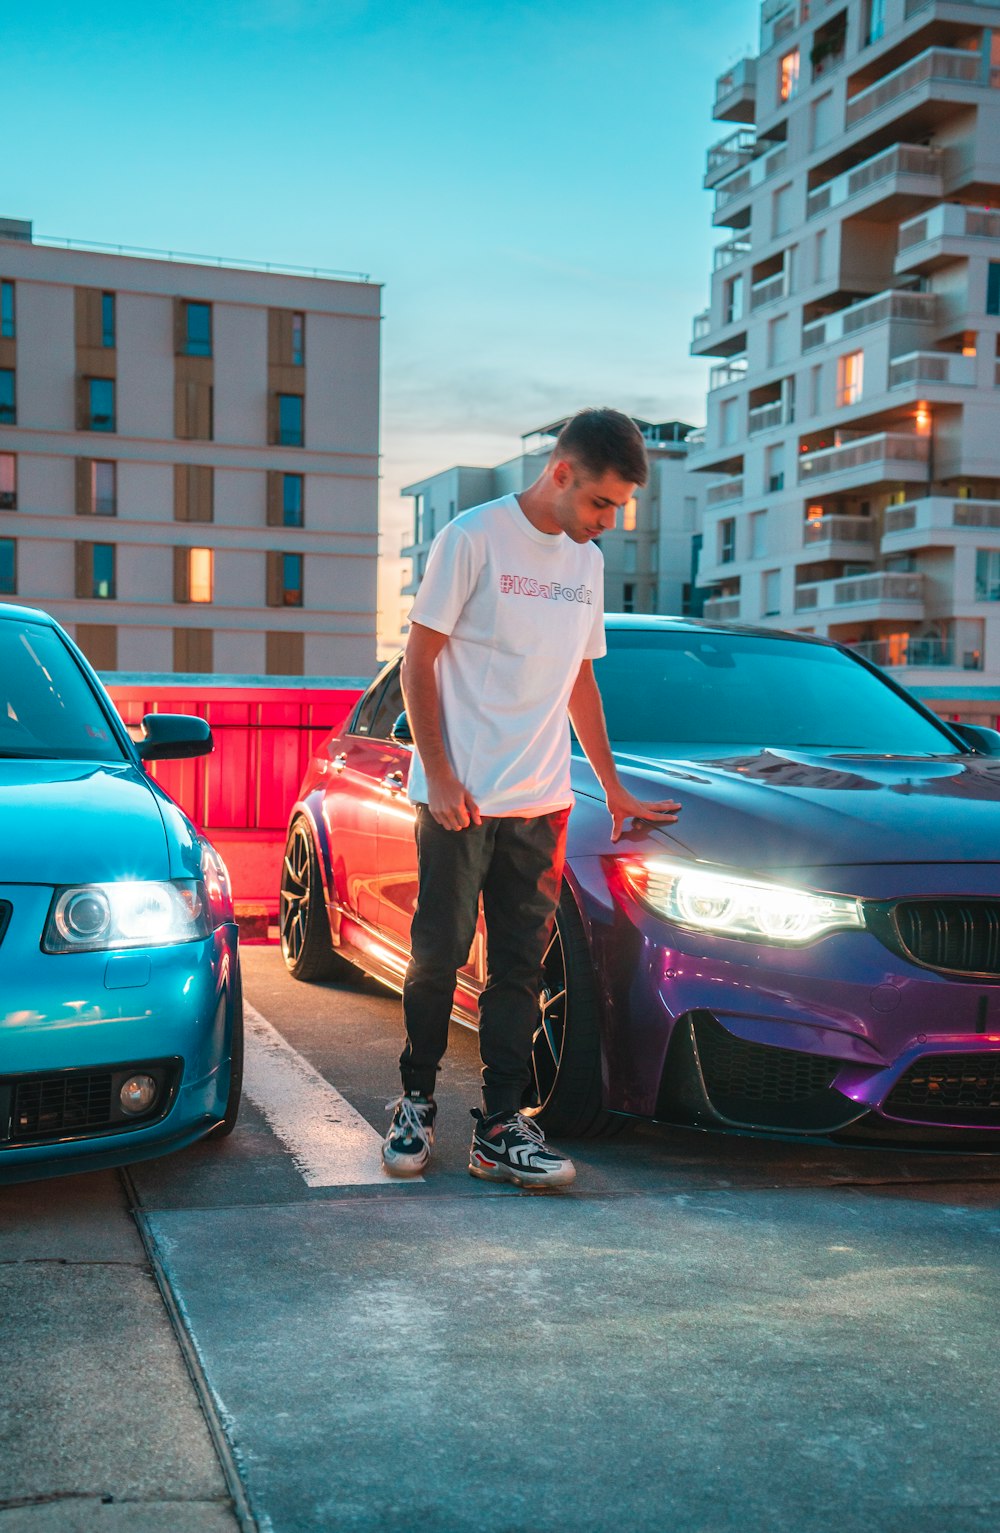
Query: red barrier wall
x=241, y=794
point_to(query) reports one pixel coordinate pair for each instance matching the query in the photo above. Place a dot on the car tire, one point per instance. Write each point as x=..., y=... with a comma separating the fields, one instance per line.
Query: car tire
x=302, y=920
x=566, y=1093
x=225, y=1128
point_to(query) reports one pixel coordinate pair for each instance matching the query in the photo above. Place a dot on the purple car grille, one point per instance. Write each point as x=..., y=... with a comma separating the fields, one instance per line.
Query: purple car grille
x=949, y=1088
x=960, y=936
x=60, y=1104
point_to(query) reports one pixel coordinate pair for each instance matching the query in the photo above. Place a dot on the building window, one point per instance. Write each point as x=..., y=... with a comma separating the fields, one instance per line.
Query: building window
x=95, y=571
x=99, y=642
x=201, y=574
x=8, y=567
x=298, y=340
x=194, y=411
x=8, y=402
x=193, y=650
x=788, y=75
x=874, y=21
x=631, y=557
x=630, y=515
x=99, y=404
x=108, y=320
x=727, y=540
x=774, y=468
x=732, y=300
x=628, y=597
x=781, y=210
x=290, y=420
x=850, y=373
x=993, y=288
x=815, y=388
x=758, y=534
x=103, y=488
x=292, y=500
x=729, y=425
x=198, y=329
x=771, y=593
x=418, y=519
x=8, y=481
x=8, y=328
x=284, y=654
x=987, y=574
x=284, y=580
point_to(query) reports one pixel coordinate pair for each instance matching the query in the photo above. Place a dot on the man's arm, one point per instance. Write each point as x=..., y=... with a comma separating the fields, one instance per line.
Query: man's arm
x=587, y=713
x=448, y=801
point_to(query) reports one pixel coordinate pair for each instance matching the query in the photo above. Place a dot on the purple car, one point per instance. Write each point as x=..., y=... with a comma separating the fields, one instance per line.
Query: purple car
x=814, y=947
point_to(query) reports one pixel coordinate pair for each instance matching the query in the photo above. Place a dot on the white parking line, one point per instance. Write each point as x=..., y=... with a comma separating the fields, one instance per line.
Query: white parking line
x=330, y=1142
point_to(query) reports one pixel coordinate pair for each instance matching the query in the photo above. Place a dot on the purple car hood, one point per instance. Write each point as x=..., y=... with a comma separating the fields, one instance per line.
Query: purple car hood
x=787, y=809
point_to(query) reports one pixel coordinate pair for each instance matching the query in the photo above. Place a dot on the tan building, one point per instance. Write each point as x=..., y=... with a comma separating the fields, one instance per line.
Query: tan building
x=852, y=437
x=189, y=460
x=647, y=556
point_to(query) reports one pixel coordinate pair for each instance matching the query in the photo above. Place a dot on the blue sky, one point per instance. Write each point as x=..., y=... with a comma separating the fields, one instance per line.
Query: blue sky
x=525, y=181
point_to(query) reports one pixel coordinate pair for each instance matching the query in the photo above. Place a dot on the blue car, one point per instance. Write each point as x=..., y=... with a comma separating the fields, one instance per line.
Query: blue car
x=121, y=1009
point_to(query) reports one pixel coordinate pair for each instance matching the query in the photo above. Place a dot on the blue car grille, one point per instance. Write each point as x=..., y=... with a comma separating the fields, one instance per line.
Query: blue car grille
x=948, y=1088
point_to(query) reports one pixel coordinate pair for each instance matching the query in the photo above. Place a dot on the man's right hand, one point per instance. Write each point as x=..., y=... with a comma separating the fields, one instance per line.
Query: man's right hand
x=451, y=805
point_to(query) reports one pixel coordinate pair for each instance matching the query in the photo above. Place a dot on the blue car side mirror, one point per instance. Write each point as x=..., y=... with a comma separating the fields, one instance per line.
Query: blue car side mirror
x=174, y=736
x=984, y=741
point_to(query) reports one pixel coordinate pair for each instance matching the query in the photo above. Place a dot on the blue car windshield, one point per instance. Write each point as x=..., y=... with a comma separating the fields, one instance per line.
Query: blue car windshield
x=47, y=708
x=696, y=687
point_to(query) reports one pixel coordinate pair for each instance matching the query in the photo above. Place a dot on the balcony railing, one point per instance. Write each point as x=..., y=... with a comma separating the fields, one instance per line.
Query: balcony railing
x=905, y=650
x=914, y=7
x=729, y=154
x=954, y=64
x=725, y=373
x=949, y=219
x=889, y=446
x=769, y=290
x=934, y=513
x=702, y=325
x=894, y=304
x=858, y=589
x=837, y=529
x=729, y=489
x=932, y=367
x=732, y=250
x=736, y=86
x=765, y=417
x=722, y=609
x=695, y=440
x=901, y=160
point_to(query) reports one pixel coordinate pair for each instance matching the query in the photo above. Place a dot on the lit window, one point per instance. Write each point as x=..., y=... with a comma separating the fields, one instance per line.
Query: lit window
x=200, y=574
x=298, y=340
x=788, y=75
x=291, y=580
x=103, y=496
x=108, y=320
x=923, y=419
x=292, y=500
x=290, y=420
x=198, y=329
x=8, y=567
x=100, y=404
x=7, y=327
x=103, y=577
x=8, y=406
x=850, y=374
x=8, y=482
x=630, y=515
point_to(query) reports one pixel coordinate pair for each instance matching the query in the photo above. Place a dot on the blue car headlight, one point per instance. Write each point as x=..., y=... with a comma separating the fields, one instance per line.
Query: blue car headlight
x=709, y=900
x=87, y=918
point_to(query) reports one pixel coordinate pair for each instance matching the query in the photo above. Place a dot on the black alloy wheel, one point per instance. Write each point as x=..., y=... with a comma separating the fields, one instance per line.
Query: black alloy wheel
x=302, y=919
x=565, y=1094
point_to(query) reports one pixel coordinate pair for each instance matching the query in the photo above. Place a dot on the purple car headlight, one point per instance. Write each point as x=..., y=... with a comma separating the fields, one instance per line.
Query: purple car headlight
x=132, y=913
x=709, y=900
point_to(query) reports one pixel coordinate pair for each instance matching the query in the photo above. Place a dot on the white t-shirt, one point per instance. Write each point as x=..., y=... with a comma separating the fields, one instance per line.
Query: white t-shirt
x=522, y=610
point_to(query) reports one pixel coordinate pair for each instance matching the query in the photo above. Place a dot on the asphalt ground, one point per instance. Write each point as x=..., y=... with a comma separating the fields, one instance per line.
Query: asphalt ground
x=702, y=1335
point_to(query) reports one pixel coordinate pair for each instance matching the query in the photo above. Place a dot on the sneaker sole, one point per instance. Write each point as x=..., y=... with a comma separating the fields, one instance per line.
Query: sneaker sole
x=494, y=1172
x=404, y=1168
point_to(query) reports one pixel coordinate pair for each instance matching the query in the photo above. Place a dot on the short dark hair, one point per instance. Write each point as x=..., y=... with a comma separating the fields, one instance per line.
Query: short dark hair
x=599, y=441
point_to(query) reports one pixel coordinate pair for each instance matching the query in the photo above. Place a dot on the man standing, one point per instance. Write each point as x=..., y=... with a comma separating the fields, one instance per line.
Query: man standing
x=503, y=634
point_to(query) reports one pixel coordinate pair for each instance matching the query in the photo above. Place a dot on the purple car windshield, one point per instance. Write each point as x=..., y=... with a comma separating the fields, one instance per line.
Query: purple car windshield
x=47, y=708
x=696, y=687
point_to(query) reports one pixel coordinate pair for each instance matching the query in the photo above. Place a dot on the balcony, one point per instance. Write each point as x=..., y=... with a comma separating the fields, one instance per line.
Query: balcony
x=902, y=595
x=839, y=537
x=940, y=234
x=884, y=456
x=954, y=65
x=937, y=521
x=733, y=193
x=721, y=609
x=768, y=290
x=736, y=93
x=909, y=169
x=920, y=308
x=732, y=250
x=729, y=155
x=726, y=373
x=701, y=327
x=729, y=489
x=765, y=417
x=903, y=650
x=695, y=441
x=920, y=367
x=777, y=19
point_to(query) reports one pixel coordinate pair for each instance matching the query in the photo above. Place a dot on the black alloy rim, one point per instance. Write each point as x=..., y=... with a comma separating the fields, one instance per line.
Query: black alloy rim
x=293, y=906
x=550, y=1033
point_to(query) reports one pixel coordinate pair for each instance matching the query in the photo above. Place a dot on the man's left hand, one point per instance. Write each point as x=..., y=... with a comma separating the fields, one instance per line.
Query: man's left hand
x=622, y=806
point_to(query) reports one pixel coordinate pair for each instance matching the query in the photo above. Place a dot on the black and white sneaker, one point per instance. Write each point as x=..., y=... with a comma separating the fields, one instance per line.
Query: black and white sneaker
x=406, y=1148
x=511, y=1148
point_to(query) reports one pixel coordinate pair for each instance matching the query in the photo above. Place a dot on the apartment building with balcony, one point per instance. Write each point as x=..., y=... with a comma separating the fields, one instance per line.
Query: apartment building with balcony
x=852, y=444
x=189, y=460
x=647, y=555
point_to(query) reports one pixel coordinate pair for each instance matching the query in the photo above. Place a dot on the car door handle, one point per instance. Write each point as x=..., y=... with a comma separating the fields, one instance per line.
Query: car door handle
x=393, y=781
x=339, y=762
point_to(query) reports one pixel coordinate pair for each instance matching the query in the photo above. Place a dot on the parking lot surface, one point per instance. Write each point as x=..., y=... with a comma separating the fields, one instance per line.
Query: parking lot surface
x=703, y=1334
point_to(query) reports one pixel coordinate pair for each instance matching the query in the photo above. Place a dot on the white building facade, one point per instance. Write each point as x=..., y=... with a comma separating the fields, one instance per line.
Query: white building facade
x=852, y=449
x=647, y=555
x=189, y=460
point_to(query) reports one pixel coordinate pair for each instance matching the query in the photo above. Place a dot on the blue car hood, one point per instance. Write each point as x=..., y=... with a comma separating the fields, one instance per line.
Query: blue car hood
x=786, y=809
x=67, y=822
